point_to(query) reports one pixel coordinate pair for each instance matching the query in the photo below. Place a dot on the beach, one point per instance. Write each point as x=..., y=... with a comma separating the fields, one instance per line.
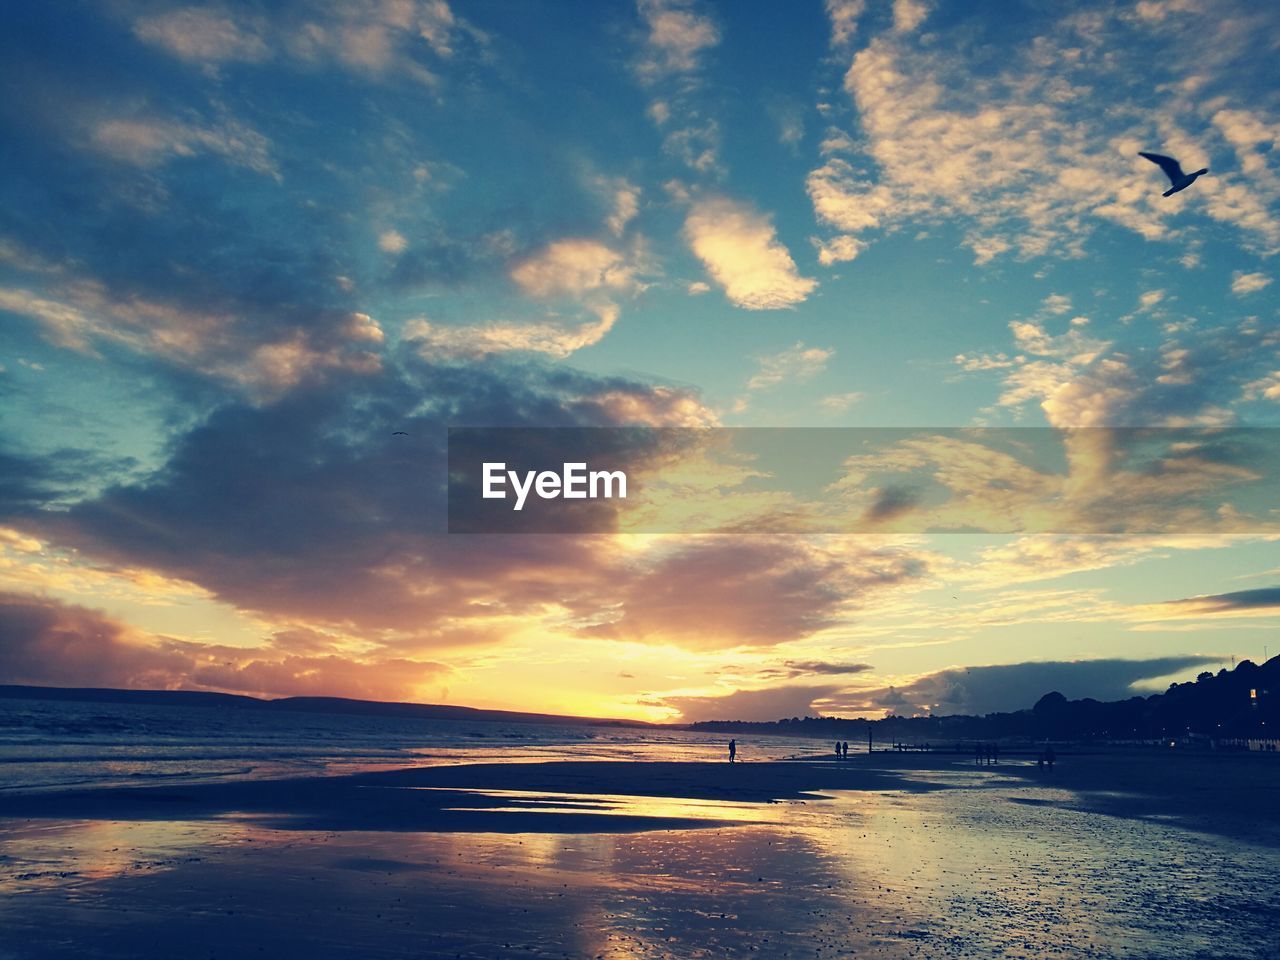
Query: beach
x=1116, y=853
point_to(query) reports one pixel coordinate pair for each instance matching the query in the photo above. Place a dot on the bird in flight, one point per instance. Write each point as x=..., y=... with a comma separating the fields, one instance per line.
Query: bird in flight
x=1173, y=170
x=399, y=433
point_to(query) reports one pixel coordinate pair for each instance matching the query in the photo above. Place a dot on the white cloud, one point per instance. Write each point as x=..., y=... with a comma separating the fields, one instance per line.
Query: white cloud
x=676, y=37
x=621, y=197
x=204, y=36
x=909, y=14
x=375, y=37
x=838, y=249
x=392, y=241
x=1150, y=300
x=87, y=315
x=1267, y=387
x=792, y=365
x=844, y=16
x=1057, y=303
x=987, y=361
x=1012, y=154
x=574, y=267
x=840, y=402
x=474, y=342
x=741, y=251
x=150, y=142
x=698, y=288
x=1245, y=283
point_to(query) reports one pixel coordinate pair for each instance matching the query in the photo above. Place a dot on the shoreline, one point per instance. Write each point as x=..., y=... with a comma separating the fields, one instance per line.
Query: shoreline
x=1230, y=794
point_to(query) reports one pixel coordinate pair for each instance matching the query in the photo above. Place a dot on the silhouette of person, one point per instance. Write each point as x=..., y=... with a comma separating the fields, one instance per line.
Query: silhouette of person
x=837, y=749
x=733, y=750
x=995, y=753
x=844, y=749
x=1049, y=757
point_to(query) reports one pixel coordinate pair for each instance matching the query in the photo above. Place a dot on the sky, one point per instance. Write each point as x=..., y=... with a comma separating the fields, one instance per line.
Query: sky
x=257, y=258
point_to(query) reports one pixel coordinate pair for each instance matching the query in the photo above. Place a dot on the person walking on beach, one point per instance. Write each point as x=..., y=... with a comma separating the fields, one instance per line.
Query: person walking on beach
x=1049, y=757
x=837, y=749
x=995, y=753
x=844, y=749
x=733, y=750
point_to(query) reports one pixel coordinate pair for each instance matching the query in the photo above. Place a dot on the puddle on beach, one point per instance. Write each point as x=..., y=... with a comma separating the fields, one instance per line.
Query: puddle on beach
x=991, y=866
x=621, y=805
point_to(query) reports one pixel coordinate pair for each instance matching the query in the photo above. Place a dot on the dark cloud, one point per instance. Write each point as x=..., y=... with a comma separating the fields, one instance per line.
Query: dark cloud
x=792, y=669
x=890, y=503
x=1261, y=598
x=962, y=690
x=310, y=508
x=1013, y=686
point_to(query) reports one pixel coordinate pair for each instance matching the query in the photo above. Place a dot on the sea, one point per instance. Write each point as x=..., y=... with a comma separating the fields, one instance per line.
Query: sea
x=56, y=744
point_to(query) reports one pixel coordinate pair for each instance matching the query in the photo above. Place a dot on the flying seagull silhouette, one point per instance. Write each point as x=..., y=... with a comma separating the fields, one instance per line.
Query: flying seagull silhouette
x=1173, y=170
x=399, y=433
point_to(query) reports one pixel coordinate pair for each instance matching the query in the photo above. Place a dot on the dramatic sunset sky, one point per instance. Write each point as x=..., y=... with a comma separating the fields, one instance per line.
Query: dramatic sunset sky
x=242, y=245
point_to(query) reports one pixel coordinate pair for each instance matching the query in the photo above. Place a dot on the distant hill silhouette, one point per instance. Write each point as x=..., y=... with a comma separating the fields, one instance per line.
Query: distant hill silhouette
x=379, y=708
x=1239, y=703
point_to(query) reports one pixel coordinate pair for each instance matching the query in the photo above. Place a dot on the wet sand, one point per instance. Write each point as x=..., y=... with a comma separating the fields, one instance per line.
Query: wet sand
x=1114, y=855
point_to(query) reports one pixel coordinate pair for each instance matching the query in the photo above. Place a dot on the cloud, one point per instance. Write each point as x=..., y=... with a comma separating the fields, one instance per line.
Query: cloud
x=574, y=267
x=224, y=346
x=771, y=703
x=670, y=58
x=844, y=16
x=1268, y=387
x=676, y=37
x=1245, y=283
x=840, y=249
x=741, y=252
x=392, y=241
x=793, y=365
x=1262, y=600
x=977, y=691
x=1192, y=377
x=1009, y=153
x=840, y=402
x=435, y=342
x=909, y=14
x=44, y=641
x=797, y=668
x=377, y=38
x=724, y=592
x=624, y=200
x=151, y=141
x=1017, y=686
x=203, y=36
x=309, y=510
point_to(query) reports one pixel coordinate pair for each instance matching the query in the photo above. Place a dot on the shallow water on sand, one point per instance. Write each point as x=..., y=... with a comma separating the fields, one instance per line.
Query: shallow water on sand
x=56, y=744
x=992, y=865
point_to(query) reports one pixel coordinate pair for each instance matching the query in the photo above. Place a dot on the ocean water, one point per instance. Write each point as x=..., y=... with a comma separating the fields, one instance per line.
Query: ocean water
x=48, y=744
